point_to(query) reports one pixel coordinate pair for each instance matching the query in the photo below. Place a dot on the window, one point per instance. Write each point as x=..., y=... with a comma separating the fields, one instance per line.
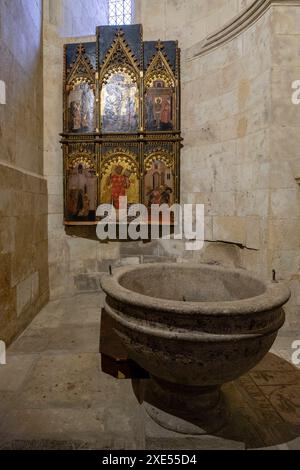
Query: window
x=120, y=12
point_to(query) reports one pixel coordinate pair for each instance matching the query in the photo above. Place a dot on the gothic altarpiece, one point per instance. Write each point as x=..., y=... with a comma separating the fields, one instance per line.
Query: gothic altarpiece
x=121, y=122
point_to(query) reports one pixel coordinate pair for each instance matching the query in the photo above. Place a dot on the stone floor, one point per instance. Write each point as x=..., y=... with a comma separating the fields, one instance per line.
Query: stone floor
x=53, y=394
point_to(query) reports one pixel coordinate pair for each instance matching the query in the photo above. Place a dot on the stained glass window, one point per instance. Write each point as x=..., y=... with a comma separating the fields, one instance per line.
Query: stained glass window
x=120, y=12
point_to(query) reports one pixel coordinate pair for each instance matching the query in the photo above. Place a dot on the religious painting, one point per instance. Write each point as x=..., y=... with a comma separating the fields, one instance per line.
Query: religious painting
x=121, y=134
x=159, y=107
x=120, y=104
x=159, y=182
x=81, y=190
x=81, y=108
x=119, y=179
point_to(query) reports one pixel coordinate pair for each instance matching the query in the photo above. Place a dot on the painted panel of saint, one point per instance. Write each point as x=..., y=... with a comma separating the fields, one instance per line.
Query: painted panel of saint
x=159, y=108
x=120, y=104
x=159, y=184
x=118, y=180
x=81, y=108
x=81, y=192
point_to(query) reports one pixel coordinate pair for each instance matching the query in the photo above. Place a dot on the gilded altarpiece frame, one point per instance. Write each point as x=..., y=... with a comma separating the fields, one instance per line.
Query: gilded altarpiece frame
x=122, y=133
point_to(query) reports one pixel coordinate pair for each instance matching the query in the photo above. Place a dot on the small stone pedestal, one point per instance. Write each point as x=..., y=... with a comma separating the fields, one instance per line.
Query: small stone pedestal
x=185, y=409
x=159, y=438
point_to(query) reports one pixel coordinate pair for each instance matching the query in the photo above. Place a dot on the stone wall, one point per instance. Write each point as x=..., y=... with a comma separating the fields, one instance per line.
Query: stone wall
x=240, y=157
x=76, y=257
x=241, y=135
x=241, y=130
x=23, y=190
x=225, y=161
x=189, y=21
x=284, y=213
x=76, y=17
x=74, y=260
x=82, y=17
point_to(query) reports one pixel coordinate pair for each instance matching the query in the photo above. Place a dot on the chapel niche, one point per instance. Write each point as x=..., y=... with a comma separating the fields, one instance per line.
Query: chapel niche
x=121, y=133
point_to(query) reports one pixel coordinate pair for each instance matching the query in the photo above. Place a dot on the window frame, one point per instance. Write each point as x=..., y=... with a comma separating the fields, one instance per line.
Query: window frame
x=121, y=17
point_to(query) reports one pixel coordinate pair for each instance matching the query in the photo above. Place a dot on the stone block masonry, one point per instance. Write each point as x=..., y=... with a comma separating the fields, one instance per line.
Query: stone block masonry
x=24, y=286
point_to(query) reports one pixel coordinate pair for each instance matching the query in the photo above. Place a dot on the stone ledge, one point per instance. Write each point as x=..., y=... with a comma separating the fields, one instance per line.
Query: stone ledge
x=236, y=26
x=10, y=166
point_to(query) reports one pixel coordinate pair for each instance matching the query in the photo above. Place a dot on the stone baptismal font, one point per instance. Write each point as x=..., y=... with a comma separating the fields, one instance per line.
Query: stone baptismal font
x=193, y=328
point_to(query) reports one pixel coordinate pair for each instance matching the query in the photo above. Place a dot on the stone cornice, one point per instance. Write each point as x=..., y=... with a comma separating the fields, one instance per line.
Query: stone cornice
x=237, y=25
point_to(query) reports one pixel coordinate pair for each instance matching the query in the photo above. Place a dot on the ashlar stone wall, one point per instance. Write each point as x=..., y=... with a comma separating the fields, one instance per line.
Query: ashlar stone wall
x=284, y=213
x=24, y=286
x=76, y=259
x=76, y=17
x=241, y=138
x=241, y=147
x=189, y=21
x=225, y=162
